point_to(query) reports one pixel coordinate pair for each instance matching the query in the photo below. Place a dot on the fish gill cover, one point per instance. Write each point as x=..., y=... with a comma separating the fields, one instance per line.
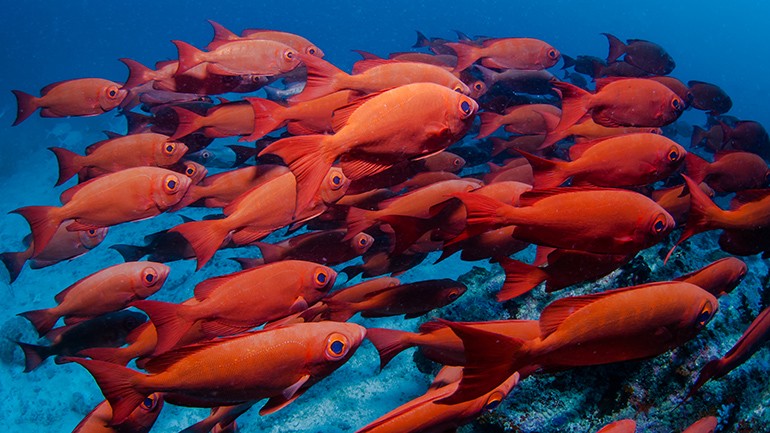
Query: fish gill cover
x=297, y=131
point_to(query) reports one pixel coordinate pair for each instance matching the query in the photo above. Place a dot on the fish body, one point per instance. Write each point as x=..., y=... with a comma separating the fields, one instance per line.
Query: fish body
x=141, y=419
x=507, y=53
x=79, y=97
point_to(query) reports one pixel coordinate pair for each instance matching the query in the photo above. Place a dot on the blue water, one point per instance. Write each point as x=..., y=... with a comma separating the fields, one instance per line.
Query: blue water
x=43, y=42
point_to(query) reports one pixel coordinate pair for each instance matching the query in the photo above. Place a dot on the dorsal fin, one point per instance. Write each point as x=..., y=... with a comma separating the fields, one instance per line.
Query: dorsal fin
x=366, y=55
x=92, y=148
x=341, y=115
x=601, y=82
x=221, y=33
x=578, y=149
x=366, y=64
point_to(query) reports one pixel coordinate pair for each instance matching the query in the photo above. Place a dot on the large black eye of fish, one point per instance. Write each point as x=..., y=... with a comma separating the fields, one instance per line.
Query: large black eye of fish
x=171, y=184
x=494, y=401
x=673, y=154
x=336, y=346
x=169, y=148
x=150, y=402
x=705, y=314
x=289, y=54
x=113, y=92
x=659, y=225
x=363, y=241
x=190, y=171
x=478, y=86
x=453, y=295
x=149, y=277
x=466, y=108
x=321, y=277
x=552, y=54
x=91, y=232
x=677, y=104
x=311, y=51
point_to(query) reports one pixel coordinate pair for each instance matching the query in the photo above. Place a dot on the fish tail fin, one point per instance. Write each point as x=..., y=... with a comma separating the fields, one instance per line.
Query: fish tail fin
x=34, y=355
x=68, y=163
x=323, y=79
x=696, y=167
x=701, y=217
x=422, y=40
x=14, y=262
x=42, y=223
x=138, y=74
x=113, y=355
x=43, y=320
x=305, y=157
x=484, y=370
x=568, y=61
x=270, y=253
x=489, y=124
x=574, y=105
x=248, y=263
x=357, y=221
x=698, y=135
x=389, y=343
x=170, y=325
x=482, y=215
x=617, y=47
x=520, y=278
x=242, y=153
x=130, y=253
x=118, y=384
x=466, y=55
x=268, y=116
x=205, y=238
x=189, y=122
x=189, y=56
x=548, y=173
x=26, y=104
x=552, y=137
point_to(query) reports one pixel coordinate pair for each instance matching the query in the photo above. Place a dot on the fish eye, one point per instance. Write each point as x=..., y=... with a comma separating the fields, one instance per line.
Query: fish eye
x=456, y=162
x=336, y=346
x=466, y=108
x=458, y=89
x=673, y=154
x=676, y=103
x=321, y=277
x=690, y=97
x=705, y=314
x=171, y=184
x=149, y=277
x=311, y=51
x=552, y=54
x=336, y=179
x=289, y=54
x=150, y=402
x=478, y=86
x=453, y=295
x=169, y=148
x=112, y=92
x=494, y=401
x=190, y=170
x=91, y=232
x=659, y=225
x=363, y=241
x=206, y=154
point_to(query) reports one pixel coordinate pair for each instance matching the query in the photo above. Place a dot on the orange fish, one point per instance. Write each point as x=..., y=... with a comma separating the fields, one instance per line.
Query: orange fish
x=237, y=302
x=491, y=244
x=731, y=171
x=587, y=130
x=224, y=120
x=706, y=424
x=427, y=414
x=521, y=119
x=141, y=419
x=408, y=122
x=719, y=277
x=610, y=221
x=622, y=161
x=617, y=325
x=127, y=195
x=258, y=212
x=64, y=245
x=676, y=200
x=300, y=44
x=620, y=102
x=439, y=343
x=372, y=76
x=507, y=53
x=621, y=426
x=753, y=339
x=246, y=57
x=108, y=290
x=80, y=97
x=220, y=418
x=279, y=364
x=148, y=149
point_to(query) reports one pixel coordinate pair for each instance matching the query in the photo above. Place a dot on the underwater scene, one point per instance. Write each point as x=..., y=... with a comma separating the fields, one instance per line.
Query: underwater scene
x=404, y=216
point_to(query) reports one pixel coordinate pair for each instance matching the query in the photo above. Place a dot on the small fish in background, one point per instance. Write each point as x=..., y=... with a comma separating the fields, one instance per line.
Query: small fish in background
x=709, y=97
x=222, y=36
x=645, y=55
x=731, y=171
x=707, y=424
x=506, y=53
x=276, y=94
x=110, y=289
x=141, y=419
x=620, y=426
x=746, y=135
x=237, y=58
x=228, y=119
x=64, y=245
x=108, y=330
x=281, y=372
x=220, y=419
x=79, y=97
x=324, y=247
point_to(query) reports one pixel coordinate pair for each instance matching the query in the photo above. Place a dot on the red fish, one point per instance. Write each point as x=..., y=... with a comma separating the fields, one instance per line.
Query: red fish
x=752, y=340
x=617, y=325
x=108, y=290
x=246, y=57
x=707, y=424
x=148, y=149
x=237, y=302
x=279, y=364
x=372, y=76
x=300, y=44
x=719, y=277
x=709, y=97
x=645, y=55
x=408, y=122
x=507, y=53
x=127, y=195
x=622, y=161
x=425, y=414
x=731, y=171
x=64, y=245
x=141, y=419
x=522, y=119
x=587, y=130
x=225, y=120
x=621, y=426
x=676, y=200
x=620, y=102
x=324, y=247
x=80, y=97
x=629, y=221
x=747, y=135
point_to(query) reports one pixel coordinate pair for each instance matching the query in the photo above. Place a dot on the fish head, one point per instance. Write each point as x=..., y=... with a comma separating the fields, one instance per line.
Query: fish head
x=169, y=152
x=288, y=59
x=461, y=110
x=460, y=87
x=658, y=226
x=361, y=243
x=152, y=277
x=111, y=96
x=478, y=89
x=312, y=50
x=196, y=172
x=169, y=188
x=92, y=237
x=144, y=416
x=549, y=56
x=319, y=278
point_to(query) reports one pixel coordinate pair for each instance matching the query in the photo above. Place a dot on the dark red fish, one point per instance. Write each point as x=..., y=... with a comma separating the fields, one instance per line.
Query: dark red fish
x=709, y=97
x=141, y=419
x=645, y=55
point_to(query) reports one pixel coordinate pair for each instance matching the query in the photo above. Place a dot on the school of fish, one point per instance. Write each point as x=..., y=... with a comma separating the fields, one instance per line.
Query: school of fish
x=380, y=165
